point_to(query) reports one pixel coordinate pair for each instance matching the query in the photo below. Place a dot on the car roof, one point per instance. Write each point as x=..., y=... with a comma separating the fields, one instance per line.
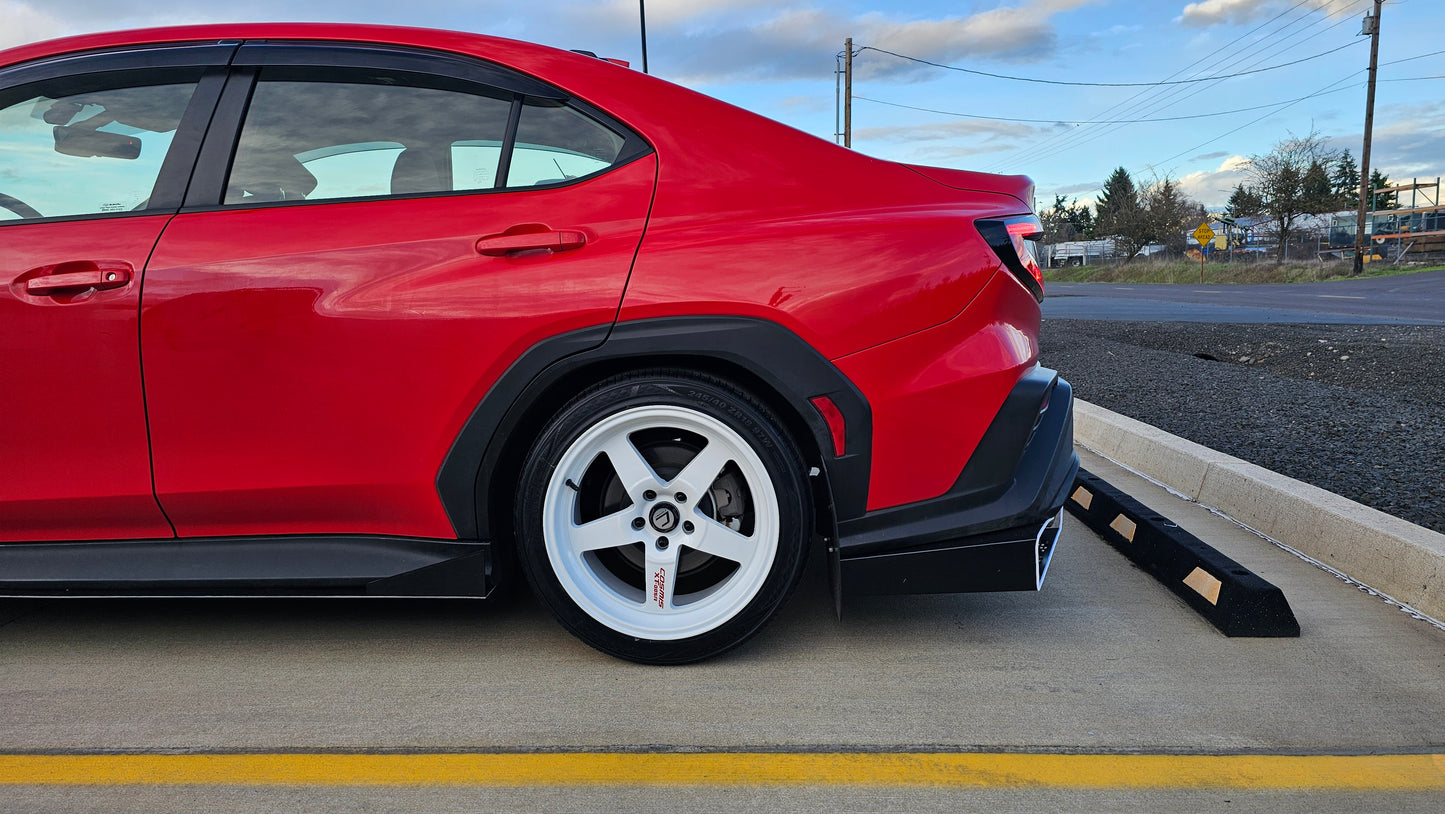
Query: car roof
x=481, y=45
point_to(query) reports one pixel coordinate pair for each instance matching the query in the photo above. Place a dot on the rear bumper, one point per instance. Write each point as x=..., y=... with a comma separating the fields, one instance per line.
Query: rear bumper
x=996, y=528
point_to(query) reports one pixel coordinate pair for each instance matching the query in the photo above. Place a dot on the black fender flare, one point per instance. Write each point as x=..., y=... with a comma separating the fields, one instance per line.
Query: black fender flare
x=768, y=354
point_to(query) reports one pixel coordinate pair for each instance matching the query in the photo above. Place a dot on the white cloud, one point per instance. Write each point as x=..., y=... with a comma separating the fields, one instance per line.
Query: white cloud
x=944, y=131
x=1409, y=141
x=790, y=41
x=663, y=13
x=25, y=24
x=1216, y=12
x=1212, y=187
x=950, y=140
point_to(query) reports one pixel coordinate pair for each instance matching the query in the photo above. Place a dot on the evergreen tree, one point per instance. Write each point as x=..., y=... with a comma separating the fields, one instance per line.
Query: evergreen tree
x=1345, y=178
x=1317, y=194
x=1055, y=220
x=1244, y=203
x=1379, y=180
x=1119, y=196
x=1120, y=216
x=1082, y=219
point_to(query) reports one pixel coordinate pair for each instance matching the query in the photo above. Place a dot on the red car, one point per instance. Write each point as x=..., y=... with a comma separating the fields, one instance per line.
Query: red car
x=334, y=310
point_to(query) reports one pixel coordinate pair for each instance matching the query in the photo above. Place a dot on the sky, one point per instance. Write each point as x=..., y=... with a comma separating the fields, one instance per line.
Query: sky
x=778, y=58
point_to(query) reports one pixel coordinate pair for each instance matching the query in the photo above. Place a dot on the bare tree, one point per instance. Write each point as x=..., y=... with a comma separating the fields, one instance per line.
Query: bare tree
x=1291, y=181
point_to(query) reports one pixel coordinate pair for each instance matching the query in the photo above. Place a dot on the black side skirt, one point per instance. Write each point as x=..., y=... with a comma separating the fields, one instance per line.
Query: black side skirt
x=249, y=566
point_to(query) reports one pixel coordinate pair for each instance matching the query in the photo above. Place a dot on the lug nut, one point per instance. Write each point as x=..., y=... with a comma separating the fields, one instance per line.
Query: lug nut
x=680, y=497
x=661, y=543
x=687, y=526
x=649, y=495
x=638, y=522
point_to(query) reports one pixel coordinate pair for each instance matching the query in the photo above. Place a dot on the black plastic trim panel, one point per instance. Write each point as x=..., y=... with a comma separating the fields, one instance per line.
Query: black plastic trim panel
x=1008, y=560
x=793, y=370
x=249, y=566
x=122, y=59
x=392, y=58
x=213, y=165
x=175, y=175
x=1018, y=476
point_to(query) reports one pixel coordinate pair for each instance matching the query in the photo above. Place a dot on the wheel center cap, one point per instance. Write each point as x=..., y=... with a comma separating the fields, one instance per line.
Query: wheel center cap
x=664, y=517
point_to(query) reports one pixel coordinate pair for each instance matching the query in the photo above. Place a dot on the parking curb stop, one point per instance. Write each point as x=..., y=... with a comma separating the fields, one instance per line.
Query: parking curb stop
x=1233, y=598
x=1399, y=559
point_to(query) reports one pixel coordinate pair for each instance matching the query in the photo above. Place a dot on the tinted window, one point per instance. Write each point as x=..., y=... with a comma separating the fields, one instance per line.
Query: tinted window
x=362, y=133
x=67, y=149
x=556, y=144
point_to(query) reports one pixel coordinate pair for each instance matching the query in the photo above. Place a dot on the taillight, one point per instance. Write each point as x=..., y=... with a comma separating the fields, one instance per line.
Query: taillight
x=1013, y=239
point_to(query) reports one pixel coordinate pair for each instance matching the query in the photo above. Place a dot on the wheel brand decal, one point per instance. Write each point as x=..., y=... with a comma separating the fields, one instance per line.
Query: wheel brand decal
x=659, y=586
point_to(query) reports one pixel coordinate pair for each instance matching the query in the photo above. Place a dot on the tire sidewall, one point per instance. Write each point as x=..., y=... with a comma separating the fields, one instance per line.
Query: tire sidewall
x=723, y=402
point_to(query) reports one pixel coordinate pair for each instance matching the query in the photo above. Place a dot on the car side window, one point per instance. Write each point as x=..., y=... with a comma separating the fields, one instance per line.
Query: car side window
x=556, y=143
x=348, y=133
x=83, y=146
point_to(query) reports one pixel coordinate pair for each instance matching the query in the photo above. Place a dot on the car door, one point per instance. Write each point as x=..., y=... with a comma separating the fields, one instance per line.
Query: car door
x=355, y=270
x=94, y=156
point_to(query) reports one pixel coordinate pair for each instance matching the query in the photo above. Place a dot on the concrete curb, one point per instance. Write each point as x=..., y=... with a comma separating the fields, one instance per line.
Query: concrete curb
x=1392, y=556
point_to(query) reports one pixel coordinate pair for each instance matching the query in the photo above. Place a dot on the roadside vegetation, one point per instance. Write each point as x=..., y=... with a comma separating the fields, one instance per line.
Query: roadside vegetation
x=1187, y=272
x=1147, y=225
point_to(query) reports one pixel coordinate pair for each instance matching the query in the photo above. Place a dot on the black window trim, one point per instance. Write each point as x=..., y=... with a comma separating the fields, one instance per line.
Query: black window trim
x=169, y=189
x=264, y=54
x=207, y=188
x=173, y=55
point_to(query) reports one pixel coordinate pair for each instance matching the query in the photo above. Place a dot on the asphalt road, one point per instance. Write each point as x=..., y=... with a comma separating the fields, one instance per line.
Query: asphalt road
x=1103, y=661
x=1406, y=299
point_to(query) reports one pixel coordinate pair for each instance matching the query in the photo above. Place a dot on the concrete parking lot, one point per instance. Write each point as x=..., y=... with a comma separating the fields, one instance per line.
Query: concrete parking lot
x=1103, y=662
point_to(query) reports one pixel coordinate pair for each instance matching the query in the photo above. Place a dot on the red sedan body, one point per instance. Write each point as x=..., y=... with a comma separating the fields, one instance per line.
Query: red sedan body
x=259, y=380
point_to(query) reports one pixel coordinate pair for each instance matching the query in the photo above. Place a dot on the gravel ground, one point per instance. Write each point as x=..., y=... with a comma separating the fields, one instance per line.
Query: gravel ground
x=1355, y=409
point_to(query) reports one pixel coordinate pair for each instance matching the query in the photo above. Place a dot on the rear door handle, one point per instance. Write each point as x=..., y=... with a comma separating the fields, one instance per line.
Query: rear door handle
x=558, y=240
x=81, y=274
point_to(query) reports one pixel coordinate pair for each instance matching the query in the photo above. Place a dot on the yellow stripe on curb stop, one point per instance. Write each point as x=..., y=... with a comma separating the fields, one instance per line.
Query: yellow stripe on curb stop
x=962, y=770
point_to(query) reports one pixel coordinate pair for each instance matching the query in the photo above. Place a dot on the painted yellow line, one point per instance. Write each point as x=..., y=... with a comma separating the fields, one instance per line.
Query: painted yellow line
x=964, y=770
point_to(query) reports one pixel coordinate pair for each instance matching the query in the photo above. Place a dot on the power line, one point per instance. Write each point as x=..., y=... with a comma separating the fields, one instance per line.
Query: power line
x=1322, y=90
x=1412, y=59
x=1225, y=55
x=1253, y=122
x=1118, y=121
x=1169, y=97
x=1106, y=84
x=1071, y=139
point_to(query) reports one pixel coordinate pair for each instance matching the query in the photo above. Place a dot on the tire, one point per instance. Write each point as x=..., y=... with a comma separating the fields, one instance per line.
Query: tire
x=663, y=517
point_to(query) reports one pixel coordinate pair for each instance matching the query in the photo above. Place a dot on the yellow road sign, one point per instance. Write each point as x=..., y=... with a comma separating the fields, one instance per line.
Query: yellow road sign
x=1204, y=234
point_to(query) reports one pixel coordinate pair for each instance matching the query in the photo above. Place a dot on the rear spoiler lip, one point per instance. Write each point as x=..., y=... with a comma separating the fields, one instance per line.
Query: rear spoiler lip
x=1019, y=187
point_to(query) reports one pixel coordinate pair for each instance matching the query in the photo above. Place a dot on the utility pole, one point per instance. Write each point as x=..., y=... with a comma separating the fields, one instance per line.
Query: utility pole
x=848, y=92
x=1371, y=27
x=642, y=17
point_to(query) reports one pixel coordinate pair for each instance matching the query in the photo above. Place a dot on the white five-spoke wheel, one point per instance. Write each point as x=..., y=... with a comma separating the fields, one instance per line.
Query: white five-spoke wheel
x=663, y=516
